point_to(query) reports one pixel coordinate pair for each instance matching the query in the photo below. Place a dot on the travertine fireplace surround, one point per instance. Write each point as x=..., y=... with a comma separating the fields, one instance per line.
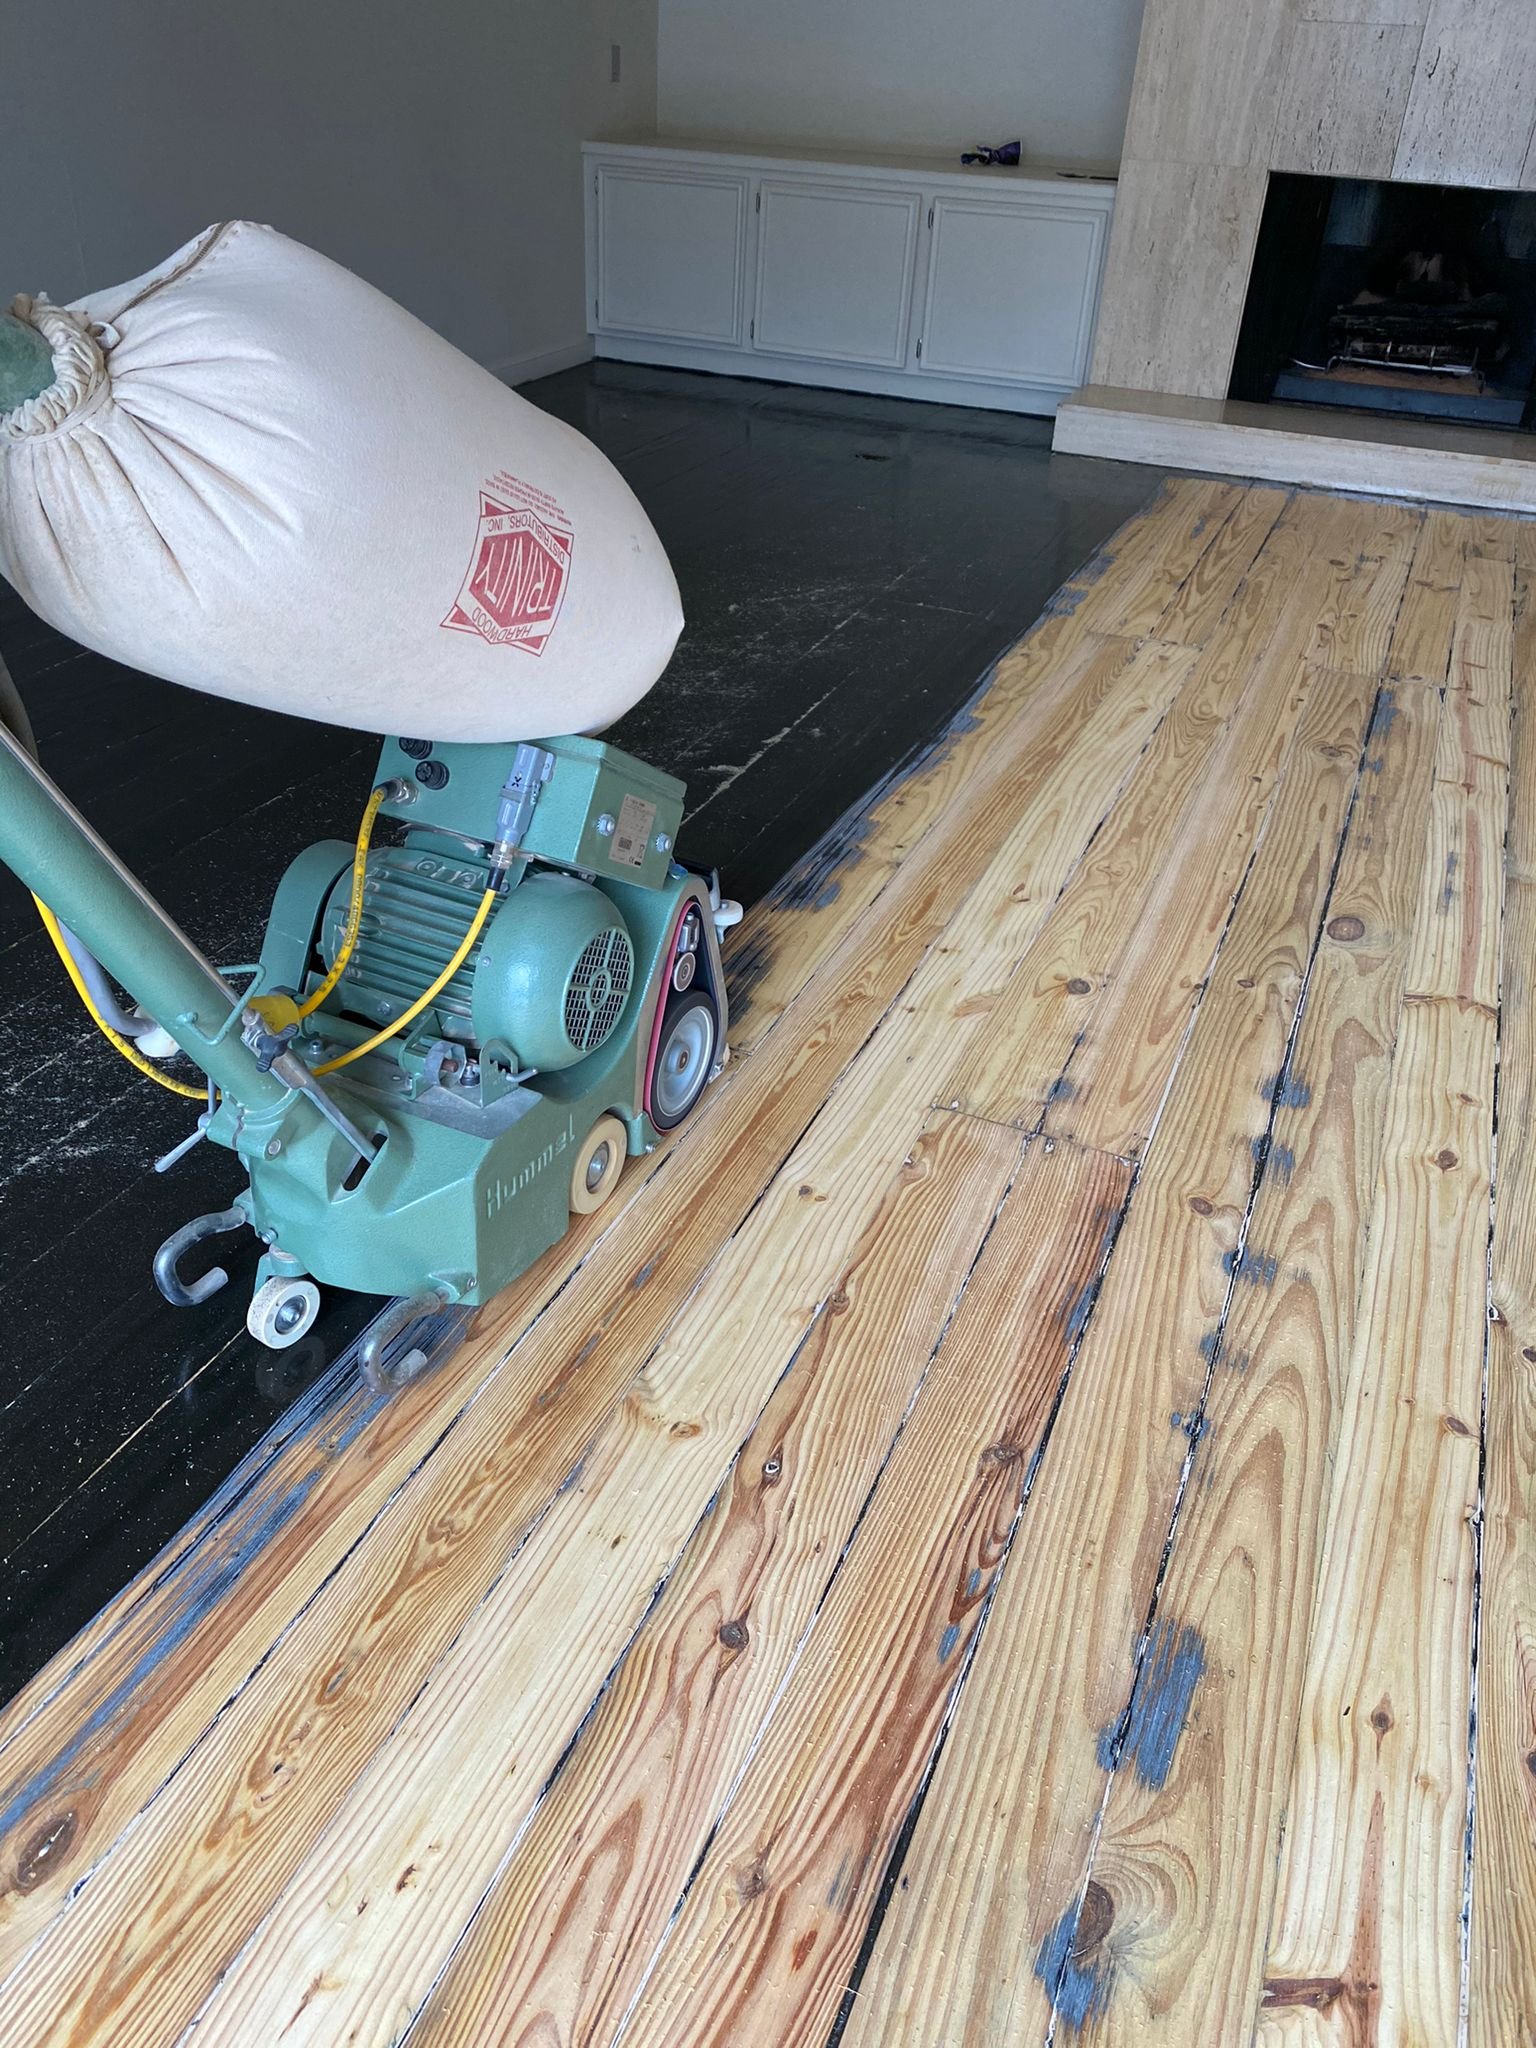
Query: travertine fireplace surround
x=1439, y=91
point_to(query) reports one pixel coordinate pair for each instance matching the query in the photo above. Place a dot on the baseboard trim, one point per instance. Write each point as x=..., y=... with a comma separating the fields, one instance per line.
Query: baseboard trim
x=1381, y=455
x=541, y=363
x=1039, y=399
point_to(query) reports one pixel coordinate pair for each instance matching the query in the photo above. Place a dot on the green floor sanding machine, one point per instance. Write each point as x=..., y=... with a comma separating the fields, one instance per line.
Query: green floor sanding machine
x=463, y=1023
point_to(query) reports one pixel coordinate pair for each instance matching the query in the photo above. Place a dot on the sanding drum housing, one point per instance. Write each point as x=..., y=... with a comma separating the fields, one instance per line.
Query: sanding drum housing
x=256, y=475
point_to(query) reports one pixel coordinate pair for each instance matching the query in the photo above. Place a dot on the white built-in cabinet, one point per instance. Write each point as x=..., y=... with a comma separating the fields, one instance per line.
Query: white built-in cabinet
x=976, y=286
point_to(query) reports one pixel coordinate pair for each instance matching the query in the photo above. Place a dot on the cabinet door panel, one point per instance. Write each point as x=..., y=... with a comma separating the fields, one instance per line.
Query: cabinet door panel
x=1011, y=291
x=671, y=253
x=834, y=271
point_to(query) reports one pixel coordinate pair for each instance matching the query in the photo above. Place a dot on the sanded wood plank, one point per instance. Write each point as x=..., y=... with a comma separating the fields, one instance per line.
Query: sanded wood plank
x=1426, y=624
x=1013, y=1068
x=449, y=1790
x=782, y=939
x=1169, y=1946
x=1133, y=579
x=773, y=1922
x=1123, y=1020
x=566, y=1933
x=1202, y=601
x=1357, y=618
x=1493, y=535
x=1131, y=1043
x=281, y=1763
x=974, y=1936
x=1525, y=543
x=770, y=953
x=1455, y=950
x=1366, y=1938
x=1200, y=770
x=79, y=1776
x=1502, y=1963
x=543, y=1405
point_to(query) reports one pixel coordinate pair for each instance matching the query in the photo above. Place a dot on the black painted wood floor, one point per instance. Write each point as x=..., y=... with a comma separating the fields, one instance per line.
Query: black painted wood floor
x=849, y=567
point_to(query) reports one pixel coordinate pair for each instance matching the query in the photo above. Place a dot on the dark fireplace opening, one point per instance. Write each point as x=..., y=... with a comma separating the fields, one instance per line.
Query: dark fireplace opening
x=1417, y=299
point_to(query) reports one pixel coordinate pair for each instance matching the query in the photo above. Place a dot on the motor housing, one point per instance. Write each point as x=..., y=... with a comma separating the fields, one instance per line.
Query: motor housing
x=548, y=981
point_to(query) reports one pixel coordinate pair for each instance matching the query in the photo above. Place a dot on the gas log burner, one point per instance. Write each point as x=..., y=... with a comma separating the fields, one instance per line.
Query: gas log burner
x=1417, y=299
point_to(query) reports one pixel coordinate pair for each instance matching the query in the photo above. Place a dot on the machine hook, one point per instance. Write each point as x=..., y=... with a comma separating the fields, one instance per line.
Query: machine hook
x=187, y=1294
x=392, y=1323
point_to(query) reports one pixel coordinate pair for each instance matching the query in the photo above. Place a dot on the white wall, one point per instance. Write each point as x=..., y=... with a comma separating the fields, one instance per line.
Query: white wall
x=431, y=145
x=927, y=74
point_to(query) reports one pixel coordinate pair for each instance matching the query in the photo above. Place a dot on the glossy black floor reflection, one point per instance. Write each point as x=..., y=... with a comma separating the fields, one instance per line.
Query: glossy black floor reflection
x=850, y=567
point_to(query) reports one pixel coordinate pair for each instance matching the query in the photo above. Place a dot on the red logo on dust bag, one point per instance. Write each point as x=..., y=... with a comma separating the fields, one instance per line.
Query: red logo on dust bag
x=517, y=575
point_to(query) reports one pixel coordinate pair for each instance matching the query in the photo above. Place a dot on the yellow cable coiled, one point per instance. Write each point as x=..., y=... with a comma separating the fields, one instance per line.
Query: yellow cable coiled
x=477, y=924
x=129, y=1052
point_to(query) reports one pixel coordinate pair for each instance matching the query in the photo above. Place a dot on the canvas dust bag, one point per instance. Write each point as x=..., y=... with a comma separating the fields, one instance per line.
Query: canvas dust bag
x=256, y=475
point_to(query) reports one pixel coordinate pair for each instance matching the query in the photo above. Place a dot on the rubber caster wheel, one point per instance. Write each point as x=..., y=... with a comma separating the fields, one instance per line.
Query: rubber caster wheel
x=281, y=1311
x=599, y=1162
x=685, y=1059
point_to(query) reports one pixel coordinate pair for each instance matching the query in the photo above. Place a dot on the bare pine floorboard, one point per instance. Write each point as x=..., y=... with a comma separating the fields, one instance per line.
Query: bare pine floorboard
x=1015, y=1527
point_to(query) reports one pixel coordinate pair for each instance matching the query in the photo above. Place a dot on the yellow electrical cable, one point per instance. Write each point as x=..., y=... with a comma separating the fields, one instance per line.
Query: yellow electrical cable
x=422, y=1001
x=312, y=1002
x=129, y=1051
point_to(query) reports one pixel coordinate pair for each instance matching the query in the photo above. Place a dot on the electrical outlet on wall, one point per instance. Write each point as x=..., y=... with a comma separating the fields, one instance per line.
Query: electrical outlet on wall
x=615, y=63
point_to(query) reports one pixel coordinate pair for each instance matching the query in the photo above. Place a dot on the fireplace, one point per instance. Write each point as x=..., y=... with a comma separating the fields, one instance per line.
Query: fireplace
x=1393, y=298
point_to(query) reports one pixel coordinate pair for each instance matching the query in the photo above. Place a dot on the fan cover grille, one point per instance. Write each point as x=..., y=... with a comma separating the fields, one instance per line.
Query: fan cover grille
x=598, y=989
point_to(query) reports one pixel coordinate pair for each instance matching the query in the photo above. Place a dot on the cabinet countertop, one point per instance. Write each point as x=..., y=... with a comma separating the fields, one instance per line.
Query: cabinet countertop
x=809, y=156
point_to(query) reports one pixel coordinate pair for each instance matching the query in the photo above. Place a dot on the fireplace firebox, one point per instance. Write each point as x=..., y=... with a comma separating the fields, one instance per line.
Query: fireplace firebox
x=1416, y=299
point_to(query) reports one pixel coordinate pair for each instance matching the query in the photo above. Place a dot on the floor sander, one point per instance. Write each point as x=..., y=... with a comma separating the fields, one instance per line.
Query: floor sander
x=462, y=1025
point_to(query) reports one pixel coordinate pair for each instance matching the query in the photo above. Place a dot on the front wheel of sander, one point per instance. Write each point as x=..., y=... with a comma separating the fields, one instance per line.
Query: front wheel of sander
x=281, y=1311
x=599, y=1162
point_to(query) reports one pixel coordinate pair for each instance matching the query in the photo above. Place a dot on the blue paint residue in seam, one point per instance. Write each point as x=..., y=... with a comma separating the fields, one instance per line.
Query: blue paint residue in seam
x=1160, y=1703
x=1077, y=1986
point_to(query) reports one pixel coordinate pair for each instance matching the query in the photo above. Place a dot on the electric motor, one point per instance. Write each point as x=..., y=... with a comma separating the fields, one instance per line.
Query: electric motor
x=550, y=978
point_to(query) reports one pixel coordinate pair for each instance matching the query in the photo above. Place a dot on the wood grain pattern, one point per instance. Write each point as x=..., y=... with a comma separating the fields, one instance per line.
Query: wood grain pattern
x=996, y=1862
x=1189, y=1863
x=1358, y=614
x=769, y=1619
x=1372, y=1870
x=1151, y=570
x=554, y=1625
x=769, y=1932
x=62, y=1782
x=1421, y=639
x=566, y=1934
x=1015, y=1065
x=1502, y=1974
x=1201, y=603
